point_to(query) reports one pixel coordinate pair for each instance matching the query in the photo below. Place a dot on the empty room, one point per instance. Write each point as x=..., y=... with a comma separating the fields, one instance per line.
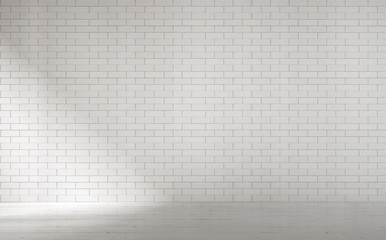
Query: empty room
x=192, y=119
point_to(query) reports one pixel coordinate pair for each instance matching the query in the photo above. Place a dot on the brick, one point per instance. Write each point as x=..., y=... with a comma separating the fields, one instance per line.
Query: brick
x=192, y=100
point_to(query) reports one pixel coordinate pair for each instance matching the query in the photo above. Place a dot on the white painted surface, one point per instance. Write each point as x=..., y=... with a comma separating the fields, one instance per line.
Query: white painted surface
x=266, y=221
x=185, y=100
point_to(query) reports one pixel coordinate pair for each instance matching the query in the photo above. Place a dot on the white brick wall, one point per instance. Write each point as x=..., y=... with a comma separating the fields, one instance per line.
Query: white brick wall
x=192, y=100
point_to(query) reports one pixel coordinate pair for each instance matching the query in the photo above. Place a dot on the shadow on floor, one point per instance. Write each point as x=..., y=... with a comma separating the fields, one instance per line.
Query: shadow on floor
x=268, y=221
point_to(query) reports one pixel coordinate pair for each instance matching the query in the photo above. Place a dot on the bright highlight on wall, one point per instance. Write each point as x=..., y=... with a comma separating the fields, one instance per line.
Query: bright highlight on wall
x=192, y=100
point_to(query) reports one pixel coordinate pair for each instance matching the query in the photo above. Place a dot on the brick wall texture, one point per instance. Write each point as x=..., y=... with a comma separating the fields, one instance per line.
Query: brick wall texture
x=192, y=100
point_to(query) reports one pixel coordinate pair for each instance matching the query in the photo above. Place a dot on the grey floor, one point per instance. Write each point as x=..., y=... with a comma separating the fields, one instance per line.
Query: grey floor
x=268, y=221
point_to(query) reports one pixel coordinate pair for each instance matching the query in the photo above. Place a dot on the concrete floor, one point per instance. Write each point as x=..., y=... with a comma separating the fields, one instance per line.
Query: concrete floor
x=268, y=221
